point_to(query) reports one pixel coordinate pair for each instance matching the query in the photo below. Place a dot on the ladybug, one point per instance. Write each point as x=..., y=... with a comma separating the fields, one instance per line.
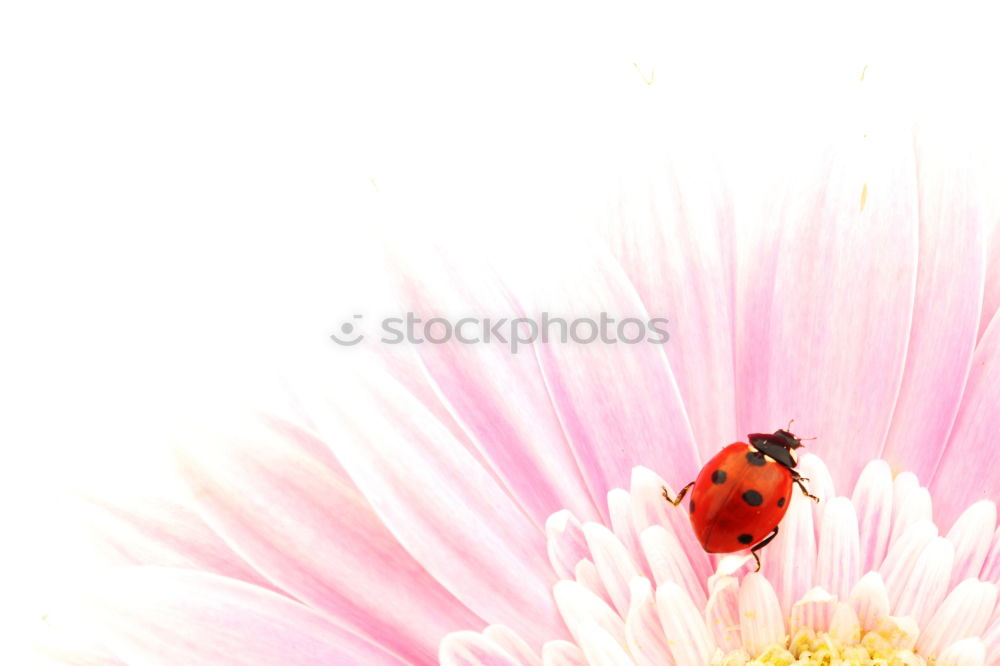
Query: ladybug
x=742, y=493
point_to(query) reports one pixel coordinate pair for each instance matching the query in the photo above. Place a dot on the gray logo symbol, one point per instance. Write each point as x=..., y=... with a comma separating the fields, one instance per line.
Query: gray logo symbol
x=348, y=329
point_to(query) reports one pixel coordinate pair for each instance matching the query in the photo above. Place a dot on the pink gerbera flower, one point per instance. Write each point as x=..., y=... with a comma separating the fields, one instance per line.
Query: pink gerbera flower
x=468, y=506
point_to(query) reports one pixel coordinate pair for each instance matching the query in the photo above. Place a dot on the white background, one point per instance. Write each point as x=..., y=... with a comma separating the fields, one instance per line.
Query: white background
x=187, y=188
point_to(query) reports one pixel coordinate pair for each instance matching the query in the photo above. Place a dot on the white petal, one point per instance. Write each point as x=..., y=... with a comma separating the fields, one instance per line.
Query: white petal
x=910, y=503
x=971, y=535
x=683, y=626
x=586, y=575
x=870, y=600
x=844, y=625
x=513, y=644
x=566, y=543
x=965, y=612
x=814, y=610
x=902, y=633
x=992, y=640
x=903, y=552
x=620, y=510
x=921, y=589
x=722, y=613
x=668, y=562
x=761, y=623
x=577, y=604
x=873, y=500
x=562, y=653
x=820, y=484
x=613, y=562
x=790, y=560
x=601, y=648
x=838, y=563
x=650, y=508
x=966, y=652
x=643, y=632
x=991, y=567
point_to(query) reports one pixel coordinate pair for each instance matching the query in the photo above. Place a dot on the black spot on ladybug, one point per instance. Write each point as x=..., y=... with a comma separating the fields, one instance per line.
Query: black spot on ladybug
x=781, y=502
x=691, y=505
x=756, y=458
x=745, y=539
x=719, y=476
x=753, y=498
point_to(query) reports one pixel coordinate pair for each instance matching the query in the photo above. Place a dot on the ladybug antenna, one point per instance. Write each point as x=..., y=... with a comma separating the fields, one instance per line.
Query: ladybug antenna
x=788, y=428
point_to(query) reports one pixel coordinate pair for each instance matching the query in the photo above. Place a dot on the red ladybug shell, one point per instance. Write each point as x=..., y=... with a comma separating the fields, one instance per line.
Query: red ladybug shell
x=738, y=499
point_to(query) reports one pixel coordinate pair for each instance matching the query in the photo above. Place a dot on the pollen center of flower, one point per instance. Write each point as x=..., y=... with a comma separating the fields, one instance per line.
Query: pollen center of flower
x=809, y=647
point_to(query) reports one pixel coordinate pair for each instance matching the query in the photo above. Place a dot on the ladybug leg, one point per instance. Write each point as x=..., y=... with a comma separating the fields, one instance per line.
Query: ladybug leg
x=753, y=551
x=680, y=496
x=798, y=481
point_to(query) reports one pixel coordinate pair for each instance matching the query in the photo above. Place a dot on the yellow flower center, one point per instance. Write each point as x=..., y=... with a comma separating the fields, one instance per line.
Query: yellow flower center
x=876, y=648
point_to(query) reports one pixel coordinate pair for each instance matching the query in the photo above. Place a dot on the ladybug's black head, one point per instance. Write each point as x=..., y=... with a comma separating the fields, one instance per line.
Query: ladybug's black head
x=788, y=439
x=778, y=446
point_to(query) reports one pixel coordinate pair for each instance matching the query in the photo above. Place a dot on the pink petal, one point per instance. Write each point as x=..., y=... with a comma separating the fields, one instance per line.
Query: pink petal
x=789, y=561
x=687, y=636
x=500, y=397
x=439, y=503
x=991, y=294
x=467, y=648
x=971, y=535
x=162, y=532
x=950, y=277
x=670, y=231
x=167, y=617
x=873, y=500
x=959, y=480
x=278, y=495
x=643, y=632
x=827, y=301
x=761, y=620
x=618, y=403
x=513, y=644
x=838, y=562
